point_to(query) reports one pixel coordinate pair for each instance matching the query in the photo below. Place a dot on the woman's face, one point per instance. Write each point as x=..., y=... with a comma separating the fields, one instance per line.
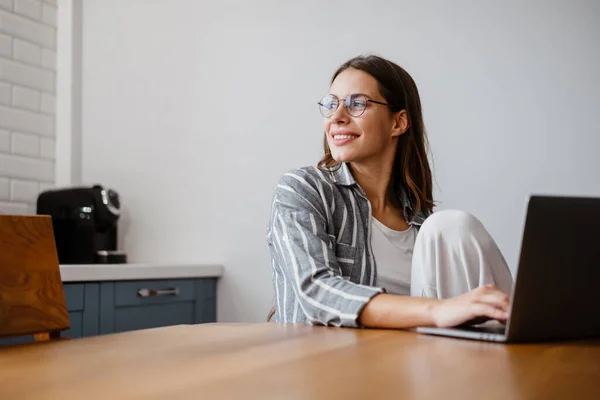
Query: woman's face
x=368, y=136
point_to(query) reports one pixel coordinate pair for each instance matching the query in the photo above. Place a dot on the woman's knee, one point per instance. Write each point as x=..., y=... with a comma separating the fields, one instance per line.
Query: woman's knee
x=452, y=223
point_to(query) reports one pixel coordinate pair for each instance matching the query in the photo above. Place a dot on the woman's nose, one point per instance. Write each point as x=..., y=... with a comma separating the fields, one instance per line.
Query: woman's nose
x=340, y=115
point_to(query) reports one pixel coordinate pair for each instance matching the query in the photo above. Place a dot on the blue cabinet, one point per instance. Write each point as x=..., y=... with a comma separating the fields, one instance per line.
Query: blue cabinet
x=118, y=306
x=131, y=305
x=82, y=305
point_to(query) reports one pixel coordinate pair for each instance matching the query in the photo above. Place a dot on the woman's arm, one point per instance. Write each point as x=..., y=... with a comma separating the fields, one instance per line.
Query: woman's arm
x=304, y=255
x=391, y=311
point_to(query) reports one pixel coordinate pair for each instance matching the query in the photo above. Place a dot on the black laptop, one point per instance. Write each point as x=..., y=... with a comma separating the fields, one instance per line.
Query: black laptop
x=556, y=294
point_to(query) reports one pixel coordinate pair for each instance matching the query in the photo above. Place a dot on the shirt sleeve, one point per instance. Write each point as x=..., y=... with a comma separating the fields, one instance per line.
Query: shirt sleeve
x=300, y=245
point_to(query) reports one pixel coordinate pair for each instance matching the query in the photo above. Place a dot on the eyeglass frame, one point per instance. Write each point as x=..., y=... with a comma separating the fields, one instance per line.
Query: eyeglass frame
x=346, y=105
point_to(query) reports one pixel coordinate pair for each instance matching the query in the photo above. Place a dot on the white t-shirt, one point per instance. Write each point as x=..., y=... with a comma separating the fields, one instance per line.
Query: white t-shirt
x=393, y=251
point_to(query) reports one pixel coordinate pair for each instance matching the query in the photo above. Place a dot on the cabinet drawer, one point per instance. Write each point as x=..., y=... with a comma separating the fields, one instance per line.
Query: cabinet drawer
x=74, y=296
x=127, y=293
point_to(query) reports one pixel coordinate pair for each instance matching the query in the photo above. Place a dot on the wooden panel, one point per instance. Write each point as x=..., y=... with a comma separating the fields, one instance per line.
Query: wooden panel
x=74, y=296
x=153, y=316
x=298, y=361
x=126, y=293
x=31, y=292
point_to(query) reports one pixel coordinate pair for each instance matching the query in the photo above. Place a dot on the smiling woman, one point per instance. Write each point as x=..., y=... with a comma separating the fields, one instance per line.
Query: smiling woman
x=393, y=88
x=354, y=241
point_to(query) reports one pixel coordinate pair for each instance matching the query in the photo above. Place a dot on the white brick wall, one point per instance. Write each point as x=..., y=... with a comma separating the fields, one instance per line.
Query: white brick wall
x=48, y=59
x=48, y=104
x=26, y=28
x=4, y=188
x=25, y=144
x=29, y=8
x=4, y=141
x=4, y=93
x=5, y=45
x=24, y=190
x=6, y=4
x=49, y=14
x=27, y=102
x=26, y=98
x=48, y=148
x=27, y=52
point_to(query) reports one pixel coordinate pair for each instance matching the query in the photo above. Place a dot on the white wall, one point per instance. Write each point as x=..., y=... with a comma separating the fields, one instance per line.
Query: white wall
x=27, y=102
x=192, y=110
x=68, y=93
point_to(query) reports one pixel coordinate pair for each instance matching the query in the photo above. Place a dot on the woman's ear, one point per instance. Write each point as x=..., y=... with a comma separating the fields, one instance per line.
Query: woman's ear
x=400, y=123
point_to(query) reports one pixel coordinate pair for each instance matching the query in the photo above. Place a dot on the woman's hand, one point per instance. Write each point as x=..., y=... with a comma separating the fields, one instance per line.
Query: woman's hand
x=477, y=306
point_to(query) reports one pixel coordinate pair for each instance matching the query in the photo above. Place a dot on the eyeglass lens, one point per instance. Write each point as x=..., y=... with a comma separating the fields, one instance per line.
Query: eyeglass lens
x=355, y=105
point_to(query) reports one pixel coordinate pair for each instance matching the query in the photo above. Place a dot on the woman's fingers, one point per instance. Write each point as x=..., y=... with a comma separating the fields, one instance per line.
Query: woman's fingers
x=486, y=302
x=486, y=310
x=496, y=299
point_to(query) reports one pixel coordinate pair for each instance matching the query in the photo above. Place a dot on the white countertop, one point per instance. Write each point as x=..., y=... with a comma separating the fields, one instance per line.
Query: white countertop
x=122, y=272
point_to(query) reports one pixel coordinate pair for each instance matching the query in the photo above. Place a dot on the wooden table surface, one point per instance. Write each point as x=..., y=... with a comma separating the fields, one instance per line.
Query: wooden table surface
x=273, y=361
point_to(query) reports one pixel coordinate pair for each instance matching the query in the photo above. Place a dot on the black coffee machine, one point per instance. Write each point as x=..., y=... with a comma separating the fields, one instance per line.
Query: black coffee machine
x=85, y=224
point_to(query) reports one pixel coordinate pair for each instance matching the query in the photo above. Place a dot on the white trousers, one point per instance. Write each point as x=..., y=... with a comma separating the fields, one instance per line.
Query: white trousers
x=454, y=254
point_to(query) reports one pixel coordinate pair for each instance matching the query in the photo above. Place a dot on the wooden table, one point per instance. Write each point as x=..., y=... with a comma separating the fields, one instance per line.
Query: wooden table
x=272, y=361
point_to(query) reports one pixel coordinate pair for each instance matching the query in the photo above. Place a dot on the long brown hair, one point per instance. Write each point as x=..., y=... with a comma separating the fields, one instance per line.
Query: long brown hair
x=411, y=172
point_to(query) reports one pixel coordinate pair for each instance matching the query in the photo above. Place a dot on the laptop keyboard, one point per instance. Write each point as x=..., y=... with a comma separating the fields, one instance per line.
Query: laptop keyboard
x=488, y=327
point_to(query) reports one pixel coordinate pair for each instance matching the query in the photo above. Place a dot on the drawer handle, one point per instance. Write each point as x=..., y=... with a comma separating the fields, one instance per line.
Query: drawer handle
x=158, y=292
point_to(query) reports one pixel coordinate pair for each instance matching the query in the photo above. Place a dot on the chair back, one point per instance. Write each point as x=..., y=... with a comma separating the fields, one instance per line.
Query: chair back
x=32, y=301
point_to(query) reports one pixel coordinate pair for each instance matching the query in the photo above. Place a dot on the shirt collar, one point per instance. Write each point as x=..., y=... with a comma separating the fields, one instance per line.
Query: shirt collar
x=343, y=176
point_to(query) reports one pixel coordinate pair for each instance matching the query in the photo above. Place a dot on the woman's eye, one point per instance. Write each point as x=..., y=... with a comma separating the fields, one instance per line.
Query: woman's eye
x=359, y=104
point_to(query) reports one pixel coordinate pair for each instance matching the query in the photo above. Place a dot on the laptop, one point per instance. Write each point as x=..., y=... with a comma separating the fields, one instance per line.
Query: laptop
x=556, y=294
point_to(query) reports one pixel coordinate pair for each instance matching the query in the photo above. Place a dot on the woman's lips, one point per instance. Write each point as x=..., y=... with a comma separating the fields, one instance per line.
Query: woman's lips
x=343, y=138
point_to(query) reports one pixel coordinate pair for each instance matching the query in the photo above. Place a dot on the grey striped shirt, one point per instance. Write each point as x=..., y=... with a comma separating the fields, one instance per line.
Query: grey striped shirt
x=319, y=235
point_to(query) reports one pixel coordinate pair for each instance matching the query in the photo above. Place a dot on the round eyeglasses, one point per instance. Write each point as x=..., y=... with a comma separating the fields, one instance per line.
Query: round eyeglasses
x=355, y=104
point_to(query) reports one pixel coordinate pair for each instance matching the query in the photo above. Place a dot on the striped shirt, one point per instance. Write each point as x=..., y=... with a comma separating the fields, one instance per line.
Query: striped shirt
x=319, y=236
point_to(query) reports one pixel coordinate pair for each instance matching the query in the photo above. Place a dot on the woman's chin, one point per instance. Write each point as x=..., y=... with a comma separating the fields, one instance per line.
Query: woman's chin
x=341, y=156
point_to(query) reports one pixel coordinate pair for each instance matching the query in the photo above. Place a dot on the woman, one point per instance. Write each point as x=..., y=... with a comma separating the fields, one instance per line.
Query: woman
x=354, y=241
